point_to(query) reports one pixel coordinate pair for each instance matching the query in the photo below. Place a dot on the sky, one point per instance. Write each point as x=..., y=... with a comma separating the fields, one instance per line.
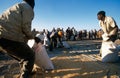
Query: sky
x=80, y=14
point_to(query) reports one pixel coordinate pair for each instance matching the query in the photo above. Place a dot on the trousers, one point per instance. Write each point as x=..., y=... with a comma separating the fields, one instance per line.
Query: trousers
x=21, y=52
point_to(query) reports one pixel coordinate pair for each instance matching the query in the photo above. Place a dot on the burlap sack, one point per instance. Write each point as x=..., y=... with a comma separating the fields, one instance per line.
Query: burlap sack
x=109, y=52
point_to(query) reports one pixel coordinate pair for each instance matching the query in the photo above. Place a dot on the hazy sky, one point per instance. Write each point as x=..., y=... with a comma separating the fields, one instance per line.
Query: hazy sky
x=81, y=14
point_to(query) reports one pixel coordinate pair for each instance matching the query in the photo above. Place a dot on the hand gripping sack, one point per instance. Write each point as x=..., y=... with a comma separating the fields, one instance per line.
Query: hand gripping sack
x=109, y=52
x=41, y=57
x=31, y=43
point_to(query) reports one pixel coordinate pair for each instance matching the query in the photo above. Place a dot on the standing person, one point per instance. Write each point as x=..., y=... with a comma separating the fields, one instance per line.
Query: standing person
x=15, y=27
x=68, y=33
x=74, y=33
x=53, y=39
x=108, y=26
x=59, y=37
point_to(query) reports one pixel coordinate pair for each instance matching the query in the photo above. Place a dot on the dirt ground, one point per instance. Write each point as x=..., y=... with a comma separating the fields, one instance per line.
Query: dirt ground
x=82, y=60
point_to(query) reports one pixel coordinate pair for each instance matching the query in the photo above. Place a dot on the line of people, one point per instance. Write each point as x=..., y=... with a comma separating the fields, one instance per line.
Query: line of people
x=54, y=39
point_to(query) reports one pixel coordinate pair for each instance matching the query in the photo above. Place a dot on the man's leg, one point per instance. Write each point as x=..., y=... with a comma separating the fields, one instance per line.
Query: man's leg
x=51, y=45
x=21, y=51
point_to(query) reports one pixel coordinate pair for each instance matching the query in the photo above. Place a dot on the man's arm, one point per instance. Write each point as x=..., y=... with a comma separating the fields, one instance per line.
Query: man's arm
x=114, y=31
x=27, y=17
x=114, y=27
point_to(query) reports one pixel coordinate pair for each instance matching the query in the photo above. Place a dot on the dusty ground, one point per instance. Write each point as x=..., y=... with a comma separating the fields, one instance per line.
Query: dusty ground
x=81, y=61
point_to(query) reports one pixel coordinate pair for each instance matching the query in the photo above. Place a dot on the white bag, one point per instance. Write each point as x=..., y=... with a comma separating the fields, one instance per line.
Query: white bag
x=65, y=44
x=109, y=52
x=41, y=57
x=105, y=37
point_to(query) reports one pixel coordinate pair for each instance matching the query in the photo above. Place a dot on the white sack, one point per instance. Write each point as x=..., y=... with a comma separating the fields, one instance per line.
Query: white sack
x=105, y=37
x=109, y=52
x=41, y=57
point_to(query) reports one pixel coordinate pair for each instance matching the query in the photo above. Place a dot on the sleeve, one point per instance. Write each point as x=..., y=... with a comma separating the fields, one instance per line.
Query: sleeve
x=114, y=26
x=27, y=17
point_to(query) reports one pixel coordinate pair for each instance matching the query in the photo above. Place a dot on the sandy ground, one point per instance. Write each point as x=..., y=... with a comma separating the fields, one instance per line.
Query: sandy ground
x=82, y=60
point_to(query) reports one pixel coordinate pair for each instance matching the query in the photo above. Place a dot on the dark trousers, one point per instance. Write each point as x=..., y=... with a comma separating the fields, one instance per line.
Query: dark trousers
x=53, y=44
x=60, y=41
x=21, y=52
x=113, y=38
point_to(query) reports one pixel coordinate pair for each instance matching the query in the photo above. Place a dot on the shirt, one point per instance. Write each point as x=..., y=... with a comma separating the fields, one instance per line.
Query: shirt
x=15, y=22
x=108, y=26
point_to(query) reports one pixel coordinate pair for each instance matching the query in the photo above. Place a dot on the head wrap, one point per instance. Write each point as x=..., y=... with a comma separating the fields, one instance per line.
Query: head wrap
x=30, y=2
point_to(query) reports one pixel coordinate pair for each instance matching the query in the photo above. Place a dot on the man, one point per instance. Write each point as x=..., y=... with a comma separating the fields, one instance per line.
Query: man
x=53, y=39
x=108, y=26
x=15, y=28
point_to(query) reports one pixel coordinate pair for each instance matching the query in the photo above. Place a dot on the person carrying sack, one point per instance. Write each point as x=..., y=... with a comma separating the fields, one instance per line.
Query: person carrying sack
x=15, y=28
x=108, y=26
x=108, y=51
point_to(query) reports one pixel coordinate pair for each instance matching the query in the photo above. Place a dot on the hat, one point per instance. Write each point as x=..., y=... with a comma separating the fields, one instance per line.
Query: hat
x=30, y=2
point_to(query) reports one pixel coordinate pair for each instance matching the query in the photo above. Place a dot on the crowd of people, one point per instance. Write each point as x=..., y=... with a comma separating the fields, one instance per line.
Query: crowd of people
x=54, y=39
x=73, y=34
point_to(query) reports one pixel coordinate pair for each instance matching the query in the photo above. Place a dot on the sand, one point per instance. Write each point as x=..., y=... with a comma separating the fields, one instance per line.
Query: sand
x=81, y=61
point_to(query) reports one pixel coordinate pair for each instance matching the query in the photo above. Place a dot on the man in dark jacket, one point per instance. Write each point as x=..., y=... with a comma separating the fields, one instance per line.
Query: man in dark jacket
x=15, y=28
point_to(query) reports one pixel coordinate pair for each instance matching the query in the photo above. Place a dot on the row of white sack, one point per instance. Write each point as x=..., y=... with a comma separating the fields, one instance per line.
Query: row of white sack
x=109, y=51
x=42, y=59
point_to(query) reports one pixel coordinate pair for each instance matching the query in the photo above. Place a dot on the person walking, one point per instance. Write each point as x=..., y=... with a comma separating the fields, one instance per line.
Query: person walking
x=15, y=29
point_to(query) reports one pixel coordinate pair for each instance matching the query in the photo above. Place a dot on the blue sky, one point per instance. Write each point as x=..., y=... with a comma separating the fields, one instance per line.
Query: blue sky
x=81, y=14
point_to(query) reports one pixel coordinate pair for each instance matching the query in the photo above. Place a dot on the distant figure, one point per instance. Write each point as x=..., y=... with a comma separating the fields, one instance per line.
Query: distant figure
x=68, y=33
x=74, y=33
x=15, y=30
x=80, y=34
x=53, y=39
x=108, y=26
x=59, y=37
